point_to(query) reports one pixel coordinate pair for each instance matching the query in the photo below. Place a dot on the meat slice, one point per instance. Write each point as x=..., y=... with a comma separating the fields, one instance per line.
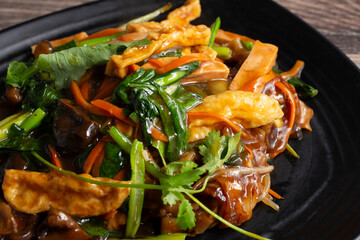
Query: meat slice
x=34, y=192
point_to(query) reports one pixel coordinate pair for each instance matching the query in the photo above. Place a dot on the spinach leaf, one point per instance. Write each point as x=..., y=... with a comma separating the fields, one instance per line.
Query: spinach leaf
x=115, y=160
x=17, y=139
x=96, y=227
x=40, y=94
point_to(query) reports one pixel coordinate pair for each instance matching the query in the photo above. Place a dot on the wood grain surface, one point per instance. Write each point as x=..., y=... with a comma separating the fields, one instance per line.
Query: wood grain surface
x=337, y=20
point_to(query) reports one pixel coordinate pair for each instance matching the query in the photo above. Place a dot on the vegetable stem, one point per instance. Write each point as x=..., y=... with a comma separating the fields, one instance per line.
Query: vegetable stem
x=96, y=182
x=121, y=139
x=223, y=53
x=249, y=234
x=33, y=120
x=148, y=16
x=136, y=195
x=214, y=29
x=4, y=129
x=100, y=40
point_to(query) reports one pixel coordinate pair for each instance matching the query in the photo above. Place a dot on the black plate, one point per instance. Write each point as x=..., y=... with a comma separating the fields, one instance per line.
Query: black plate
x=322, y=188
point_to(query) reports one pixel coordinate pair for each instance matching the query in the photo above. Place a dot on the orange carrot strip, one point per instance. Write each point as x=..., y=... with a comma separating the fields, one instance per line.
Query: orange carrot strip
x=95, y=172
x=228, y=122
x=275, y=194
x=85, y=88
x=110, y=214
x=106, y=89
x=112, y=110
x=54, y=156
x=93, y=156
x=121, y=174
x=183, y=60
x=133, y=68
x=80, y=100
x=103, y=33
x=158, y=135
x=156, y=62
x=294, y=71
x=291, y=98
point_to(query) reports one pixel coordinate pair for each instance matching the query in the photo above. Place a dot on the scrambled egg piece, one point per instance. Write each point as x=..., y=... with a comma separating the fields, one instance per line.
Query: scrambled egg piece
x=249, y=109
x=34, y=192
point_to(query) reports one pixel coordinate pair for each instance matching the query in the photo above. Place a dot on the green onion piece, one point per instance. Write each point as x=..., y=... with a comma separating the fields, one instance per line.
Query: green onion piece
x=223, y=53
x=121, y=139
x=292, y=151
x=214, y=29
x=136, y=194
x=4, y=129
x=100, y=40
x=249, y=234
x=148, y=16
x=33, y=120
x=65, y=46
x=176, y=74
x=304, y=90
x=248, y=44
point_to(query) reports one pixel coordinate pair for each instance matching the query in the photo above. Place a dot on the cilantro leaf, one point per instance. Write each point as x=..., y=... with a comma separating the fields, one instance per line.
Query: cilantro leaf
x=186, y=216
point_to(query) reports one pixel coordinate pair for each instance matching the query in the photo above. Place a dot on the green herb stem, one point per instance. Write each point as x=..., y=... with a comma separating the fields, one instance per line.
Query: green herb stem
x=230, y=225
x=292, y=151
x=176, y=74
x=96, y=182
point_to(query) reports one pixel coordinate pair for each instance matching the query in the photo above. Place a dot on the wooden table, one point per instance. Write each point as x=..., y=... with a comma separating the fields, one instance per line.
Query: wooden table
x=337, y=20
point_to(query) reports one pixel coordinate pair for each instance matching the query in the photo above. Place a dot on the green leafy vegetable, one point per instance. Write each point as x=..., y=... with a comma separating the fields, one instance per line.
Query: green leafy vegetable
x=96, y=227
x=115, y=160
x=67, y=65
x=143, y=93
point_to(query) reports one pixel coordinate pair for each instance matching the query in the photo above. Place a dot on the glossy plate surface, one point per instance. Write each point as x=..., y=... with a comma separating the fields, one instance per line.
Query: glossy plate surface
x=322, y=188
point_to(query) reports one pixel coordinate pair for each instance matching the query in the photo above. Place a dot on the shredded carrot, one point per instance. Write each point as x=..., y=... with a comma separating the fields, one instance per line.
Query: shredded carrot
x=95, y=171
x=258, y=84
x=183, y=60
x=85, y=89
x=230, y=123
x=133, y=68
x=80, y=100
x=95, y=153
x=219, y=60
x=158, y=135
x=110, y=214
x=103, y=33
x=54, y=156
x=275, y=194
x=112, y=110
x=294, y=71
x=291, y=98
x=107, y=88
x=121, y=174
x=249, y=157
x=156, y=62
x=124, y=127
x=125, y=38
